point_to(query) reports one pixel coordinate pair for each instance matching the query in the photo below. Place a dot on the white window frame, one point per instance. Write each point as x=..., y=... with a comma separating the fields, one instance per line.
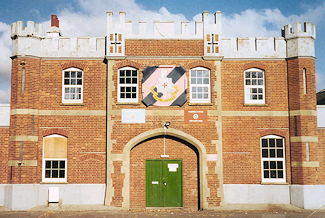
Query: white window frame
x=195, y=100
x=127, y=100
x=53, y=180
x=249, y=87
x=273, y=180
x=72, y=86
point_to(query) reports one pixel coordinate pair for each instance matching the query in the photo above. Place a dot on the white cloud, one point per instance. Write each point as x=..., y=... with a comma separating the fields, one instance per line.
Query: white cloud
x=5, y=96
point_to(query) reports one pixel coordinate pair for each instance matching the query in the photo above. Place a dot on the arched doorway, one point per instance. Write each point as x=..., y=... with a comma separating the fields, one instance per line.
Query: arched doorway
x=184, y=147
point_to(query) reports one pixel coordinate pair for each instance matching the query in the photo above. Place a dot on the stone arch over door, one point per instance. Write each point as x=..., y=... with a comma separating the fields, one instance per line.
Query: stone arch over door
x=203, y=170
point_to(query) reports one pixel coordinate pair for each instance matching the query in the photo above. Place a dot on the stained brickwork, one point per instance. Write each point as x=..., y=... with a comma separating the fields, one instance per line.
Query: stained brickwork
x=4, y=147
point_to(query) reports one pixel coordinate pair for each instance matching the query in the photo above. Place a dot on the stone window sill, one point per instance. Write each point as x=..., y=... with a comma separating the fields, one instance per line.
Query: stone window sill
x=256, y=105
x=53, y=182
x=127, y=103
x=200, y=104
x=274, y=183
x=72, y=104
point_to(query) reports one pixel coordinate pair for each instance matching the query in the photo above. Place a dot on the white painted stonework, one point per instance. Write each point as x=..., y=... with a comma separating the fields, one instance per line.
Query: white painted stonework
x=308, y=196
x=26, y=196
x=31, y=40
x=320, y=115
x=256, y=194
x=4, y=115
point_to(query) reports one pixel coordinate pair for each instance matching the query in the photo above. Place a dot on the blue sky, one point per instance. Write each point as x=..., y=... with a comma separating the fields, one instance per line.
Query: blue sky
x=88, y=18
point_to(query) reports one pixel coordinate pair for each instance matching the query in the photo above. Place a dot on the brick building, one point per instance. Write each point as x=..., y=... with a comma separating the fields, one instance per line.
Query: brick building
x=162, y=119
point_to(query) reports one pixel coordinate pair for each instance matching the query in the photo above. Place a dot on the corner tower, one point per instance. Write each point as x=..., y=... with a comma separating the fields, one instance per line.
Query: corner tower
x=302, y=109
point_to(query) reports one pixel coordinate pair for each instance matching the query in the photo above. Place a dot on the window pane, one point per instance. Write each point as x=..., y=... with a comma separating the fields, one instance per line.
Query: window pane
x=193, y=81
x=61, y=173
x=253, y=74
x=79, y=74
x=55, y=173
x=122, y=73
x=260, y=90
x=128, y=89
x=280, y=174
x=128, y=80
x=199, y=89
x=266, y=164
x=48, y=164
x=66, y=96
x=205, y=96
x=122, y=95
x=72, y=90
x=205, y=73
x=254, y=97
x=280, y=165
x=205, y=89
x=193, y=95
x=272, y=142
x=128, y=73
x=78, y=90
x=134, y=80
x=272, y=165
x=128, y=95
x=254, y=82
x=247, y=75
x=199, y=80
x=55, y=164
x=134, y=95
x=66, y=81
x=253, y=90
x=134, y=89
x=79, y=81
x=47, y=173
x=264, y=153
x=272, y=152
x=260, y=97
x=78, y=96
x=199, y=96
x=264, y=142
x=67, y=74
x=279, y=153
x=199, y=73
x=260, y=75
x=193, y=73
x=122, y=81
x=193, y=89
x=62, y=164
x=260, y=82
x=73, y=82
x=279, y=143
x=205, y=81
x=122, y=89
x=273, y=174
x=266, y=174
x=134, y=73
x=248, y=82
x=73, y=74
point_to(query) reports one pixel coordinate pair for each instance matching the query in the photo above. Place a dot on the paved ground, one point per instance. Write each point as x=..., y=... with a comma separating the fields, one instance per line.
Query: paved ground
x=176, y=214
x=100, y=211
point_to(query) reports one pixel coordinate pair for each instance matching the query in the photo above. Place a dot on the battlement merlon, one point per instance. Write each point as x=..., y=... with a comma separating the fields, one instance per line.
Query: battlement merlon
x=308, y=30
x=31, y=30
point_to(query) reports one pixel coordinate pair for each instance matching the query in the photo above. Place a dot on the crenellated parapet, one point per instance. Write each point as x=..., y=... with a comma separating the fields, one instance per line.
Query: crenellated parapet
x=300, y=39
x=253, y=47
x=31, y=30
x=31, y=41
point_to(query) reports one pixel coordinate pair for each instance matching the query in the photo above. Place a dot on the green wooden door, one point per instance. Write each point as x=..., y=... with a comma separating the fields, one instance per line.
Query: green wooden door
x=164, y=185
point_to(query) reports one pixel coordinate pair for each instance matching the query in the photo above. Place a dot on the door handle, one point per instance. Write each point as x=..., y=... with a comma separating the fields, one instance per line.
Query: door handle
x=164, y=183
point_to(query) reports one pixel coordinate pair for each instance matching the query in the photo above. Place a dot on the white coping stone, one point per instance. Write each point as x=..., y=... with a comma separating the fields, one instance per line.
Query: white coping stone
x=256, y=194
x=4, y=115
x=308, y=196
x=26, y=196
x=320, y=115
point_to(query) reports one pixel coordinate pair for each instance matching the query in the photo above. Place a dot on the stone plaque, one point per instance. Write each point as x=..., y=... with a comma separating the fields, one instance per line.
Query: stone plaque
x=133, y=116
